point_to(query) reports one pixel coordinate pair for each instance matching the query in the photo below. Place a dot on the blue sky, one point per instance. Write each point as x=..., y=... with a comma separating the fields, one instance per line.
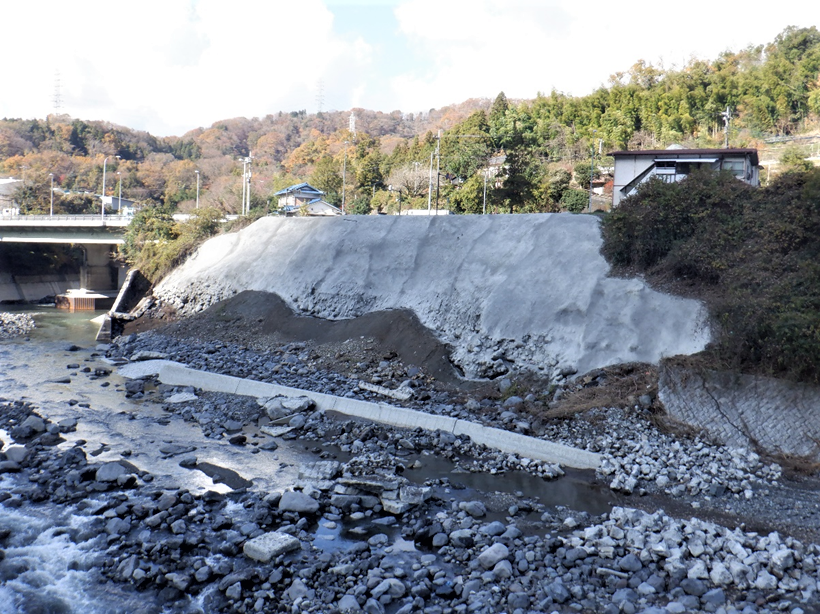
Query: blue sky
x=169, y=66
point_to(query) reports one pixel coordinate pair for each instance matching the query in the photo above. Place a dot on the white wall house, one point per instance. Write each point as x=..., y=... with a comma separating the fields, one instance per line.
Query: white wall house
x=297, y=195
x=632, y=168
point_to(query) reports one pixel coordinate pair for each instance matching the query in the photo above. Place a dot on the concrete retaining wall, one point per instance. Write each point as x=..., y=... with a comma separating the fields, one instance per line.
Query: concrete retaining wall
x=526, y=447
x=745, y=410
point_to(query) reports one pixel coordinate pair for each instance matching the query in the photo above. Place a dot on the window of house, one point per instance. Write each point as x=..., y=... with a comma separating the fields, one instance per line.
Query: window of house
x=734, y=166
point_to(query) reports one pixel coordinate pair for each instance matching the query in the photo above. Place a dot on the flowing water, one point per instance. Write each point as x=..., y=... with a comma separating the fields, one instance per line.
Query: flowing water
x=51, y=557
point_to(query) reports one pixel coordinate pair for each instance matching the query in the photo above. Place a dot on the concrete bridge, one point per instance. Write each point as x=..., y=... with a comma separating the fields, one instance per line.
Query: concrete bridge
x=95, y=234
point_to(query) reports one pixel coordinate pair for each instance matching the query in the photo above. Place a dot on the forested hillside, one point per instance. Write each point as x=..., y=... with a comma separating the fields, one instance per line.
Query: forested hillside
x=538, y=151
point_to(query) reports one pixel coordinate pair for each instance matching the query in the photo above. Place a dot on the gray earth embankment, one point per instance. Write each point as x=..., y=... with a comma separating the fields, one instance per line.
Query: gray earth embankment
x=529, y=291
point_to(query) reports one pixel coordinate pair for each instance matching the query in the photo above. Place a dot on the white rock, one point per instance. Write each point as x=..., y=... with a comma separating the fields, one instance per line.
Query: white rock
x=267, y=546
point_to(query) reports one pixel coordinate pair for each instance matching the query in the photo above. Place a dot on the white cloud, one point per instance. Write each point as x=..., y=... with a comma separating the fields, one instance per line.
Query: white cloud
x=479, y=47
x=171, y=65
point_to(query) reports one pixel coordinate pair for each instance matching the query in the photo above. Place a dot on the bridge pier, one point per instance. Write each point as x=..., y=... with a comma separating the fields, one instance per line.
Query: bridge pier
x=98, y=271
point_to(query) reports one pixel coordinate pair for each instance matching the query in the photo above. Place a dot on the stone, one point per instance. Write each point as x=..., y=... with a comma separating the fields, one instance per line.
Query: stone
x=17, y=454
x=299, y=502
x=462, y=538
x=181, y=397
x=490, y=557
x=716, y=597
x=502, y=570
x=109, y=472
x=557, y=591
x=269, y=545
x=693, y=586
x=390, y=586
x=348, y=605
x=765, y=581
x=476, y=509
x=630, y=562
x=180, y=581
x=34, y=423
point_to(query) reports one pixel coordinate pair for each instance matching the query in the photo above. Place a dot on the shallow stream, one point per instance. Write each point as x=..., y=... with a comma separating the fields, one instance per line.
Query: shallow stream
x=56, y=574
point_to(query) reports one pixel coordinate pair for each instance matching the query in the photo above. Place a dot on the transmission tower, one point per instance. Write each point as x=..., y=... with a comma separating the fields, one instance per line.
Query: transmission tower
x=320, y=95
x=57, y=100
x=352, y=124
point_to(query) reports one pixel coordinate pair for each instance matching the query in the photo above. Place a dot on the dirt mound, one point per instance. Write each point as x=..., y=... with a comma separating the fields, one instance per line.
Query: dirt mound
x=259, y=319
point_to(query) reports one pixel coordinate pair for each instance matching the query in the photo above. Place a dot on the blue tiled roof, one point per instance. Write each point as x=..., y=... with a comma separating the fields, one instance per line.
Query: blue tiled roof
x=299, y=187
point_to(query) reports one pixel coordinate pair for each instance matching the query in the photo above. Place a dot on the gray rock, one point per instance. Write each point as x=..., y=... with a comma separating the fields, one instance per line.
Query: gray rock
x=557, y=591
x=392, y=587
x=109, y=472
x=34, y=423
x=462, y=538
x=180, y=581
x=299, y=502
x=630, y=562
x=17, y=454
x=693, y=586
x=475, y=509
x=490, y=557
x=234, y=591
x=502, y=570
x=716, y=596
x=624, y=594
x=349, y=605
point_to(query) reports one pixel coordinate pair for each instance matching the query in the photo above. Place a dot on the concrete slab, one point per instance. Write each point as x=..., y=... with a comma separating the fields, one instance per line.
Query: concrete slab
x=175, y=374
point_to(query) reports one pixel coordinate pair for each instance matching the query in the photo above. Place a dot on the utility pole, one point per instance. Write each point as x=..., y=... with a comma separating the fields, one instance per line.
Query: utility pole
x=591, y=168
x=727, y=118
x=244, y=177
x=197, y=189
x=484, y=208
x=438, y=167
x=430, y=185
x=51, y=211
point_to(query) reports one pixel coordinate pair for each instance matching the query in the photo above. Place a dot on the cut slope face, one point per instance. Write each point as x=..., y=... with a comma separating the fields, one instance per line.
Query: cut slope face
x=528, y=290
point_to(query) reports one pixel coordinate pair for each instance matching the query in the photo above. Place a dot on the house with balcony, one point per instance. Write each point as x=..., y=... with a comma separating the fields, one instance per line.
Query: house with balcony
x=632, y=168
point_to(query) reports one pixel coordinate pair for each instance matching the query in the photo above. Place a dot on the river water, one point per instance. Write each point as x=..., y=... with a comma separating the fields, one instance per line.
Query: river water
x=46, y=569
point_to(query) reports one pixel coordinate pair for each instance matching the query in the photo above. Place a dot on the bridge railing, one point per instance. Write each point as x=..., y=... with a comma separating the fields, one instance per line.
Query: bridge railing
x=113, y=219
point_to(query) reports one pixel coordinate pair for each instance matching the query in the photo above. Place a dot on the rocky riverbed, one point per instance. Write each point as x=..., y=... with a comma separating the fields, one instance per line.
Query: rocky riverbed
x=15, y=324
x=367, y=526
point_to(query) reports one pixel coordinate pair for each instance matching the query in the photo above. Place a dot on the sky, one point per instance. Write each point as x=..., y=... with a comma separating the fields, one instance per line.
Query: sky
x=170, y=66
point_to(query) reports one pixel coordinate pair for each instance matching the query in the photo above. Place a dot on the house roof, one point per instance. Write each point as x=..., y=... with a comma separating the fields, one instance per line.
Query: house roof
x=673, y=154
x=299, y=187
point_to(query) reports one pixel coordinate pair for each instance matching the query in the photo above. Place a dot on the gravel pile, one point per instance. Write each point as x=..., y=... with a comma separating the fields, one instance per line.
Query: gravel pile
x=15, y=324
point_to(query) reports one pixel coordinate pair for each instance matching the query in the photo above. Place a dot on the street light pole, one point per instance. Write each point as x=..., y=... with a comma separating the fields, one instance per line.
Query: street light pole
x=51, y=211
x=119, y=203
x=102, y=200
x=197, y=189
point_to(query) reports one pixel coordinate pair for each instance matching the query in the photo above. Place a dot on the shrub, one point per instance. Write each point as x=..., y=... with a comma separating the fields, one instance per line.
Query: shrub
x=750, y=254
x=574, y=200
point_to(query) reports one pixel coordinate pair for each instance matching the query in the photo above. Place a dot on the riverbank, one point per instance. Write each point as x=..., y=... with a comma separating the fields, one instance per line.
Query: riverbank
x=379, y=519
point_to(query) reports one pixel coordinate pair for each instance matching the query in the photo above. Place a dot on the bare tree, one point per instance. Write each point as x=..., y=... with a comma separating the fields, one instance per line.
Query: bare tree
x=413, y=178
